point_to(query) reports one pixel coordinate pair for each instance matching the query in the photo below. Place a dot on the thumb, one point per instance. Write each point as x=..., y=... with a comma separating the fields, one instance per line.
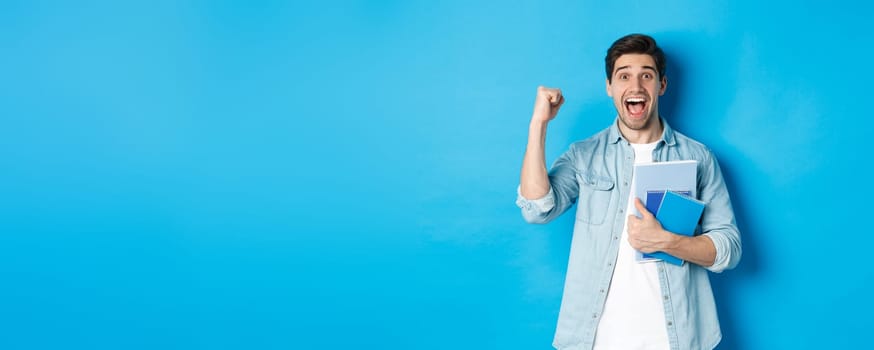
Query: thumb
x=554, y=97
x=641, y=208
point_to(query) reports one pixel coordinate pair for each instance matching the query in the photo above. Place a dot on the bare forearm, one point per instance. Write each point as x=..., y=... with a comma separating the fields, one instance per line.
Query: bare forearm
x=534, y=182
x=647, y=235
x=698, y=249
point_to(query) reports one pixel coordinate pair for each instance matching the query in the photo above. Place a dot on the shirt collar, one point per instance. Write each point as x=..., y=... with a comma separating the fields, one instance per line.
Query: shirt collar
x=614, y=135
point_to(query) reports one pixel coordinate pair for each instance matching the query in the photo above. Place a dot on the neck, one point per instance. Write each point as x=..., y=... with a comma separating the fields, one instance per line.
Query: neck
x=648, y=134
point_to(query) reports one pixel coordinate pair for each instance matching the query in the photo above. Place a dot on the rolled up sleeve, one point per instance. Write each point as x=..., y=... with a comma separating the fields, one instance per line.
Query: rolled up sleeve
x=535, y=210
x=563, y=191
x=727, y=251
x=718, y=221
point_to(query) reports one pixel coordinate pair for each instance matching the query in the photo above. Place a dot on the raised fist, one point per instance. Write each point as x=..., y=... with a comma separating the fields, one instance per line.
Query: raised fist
x=546, y=106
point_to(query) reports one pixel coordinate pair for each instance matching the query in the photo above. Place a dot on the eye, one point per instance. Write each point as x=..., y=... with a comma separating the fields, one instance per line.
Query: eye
x=647, y=76
x=623, y=76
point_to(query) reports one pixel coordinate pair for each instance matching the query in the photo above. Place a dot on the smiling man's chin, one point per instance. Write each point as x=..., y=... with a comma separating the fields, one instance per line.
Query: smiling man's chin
x=634, y=122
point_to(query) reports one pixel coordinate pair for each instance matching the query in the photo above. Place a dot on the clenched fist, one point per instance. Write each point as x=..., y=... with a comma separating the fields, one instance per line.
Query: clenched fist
x=546, y=106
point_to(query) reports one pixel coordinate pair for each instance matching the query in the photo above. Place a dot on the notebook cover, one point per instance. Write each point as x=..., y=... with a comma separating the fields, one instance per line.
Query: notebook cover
x=679, y=214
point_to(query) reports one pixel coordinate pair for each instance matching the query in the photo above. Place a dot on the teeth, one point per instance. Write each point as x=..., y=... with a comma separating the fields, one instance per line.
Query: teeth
x=634, y=100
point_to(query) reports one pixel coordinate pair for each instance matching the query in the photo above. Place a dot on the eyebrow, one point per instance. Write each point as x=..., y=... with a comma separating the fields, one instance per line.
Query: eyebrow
x=624, y=67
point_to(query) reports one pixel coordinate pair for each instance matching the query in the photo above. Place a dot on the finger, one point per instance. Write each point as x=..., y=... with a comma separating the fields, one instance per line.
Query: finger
x=544, y=93
x=554, y=96
x=641, y=208
x=633, y=222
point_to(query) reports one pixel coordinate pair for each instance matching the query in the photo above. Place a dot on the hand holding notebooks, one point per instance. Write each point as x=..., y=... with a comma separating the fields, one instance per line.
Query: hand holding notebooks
x=651, y=180
x=678, y=214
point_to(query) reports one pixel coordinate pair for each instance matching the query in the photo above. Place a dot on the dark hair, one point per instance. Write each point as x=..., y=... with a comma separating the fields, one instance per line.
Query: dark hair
x=635, y=43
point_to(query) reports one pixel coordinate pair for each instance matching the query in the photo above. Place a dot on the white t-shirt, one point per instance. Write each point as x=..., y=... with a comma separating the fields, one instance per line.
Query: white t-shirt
x=633, y=317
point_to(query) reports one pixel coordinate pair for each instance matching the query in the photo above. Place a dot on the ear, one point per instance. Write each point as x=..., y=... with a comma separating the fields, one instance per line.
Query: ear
x=609, y=93
x=664, y=84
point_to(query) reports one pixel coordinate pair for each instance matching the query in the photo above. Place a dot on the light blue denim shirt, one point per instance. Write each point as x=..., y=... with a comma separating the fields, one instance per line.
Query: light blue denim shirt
x=598, y=171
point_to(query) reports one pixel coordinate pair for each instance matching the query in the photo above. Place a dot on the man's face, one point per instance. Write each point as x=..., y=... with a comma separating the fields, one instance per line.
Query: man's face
x=635, y=90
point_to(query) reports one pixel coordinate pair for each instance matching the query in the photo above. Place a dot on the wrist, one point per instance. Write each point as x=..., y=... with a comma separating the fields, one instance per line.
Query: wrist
x=537, y=122
x=674, y=240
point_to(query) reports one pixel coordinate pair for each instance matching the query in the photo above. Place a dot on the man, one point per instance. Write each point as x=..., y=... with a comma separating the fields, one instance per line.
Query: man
x=610, y=300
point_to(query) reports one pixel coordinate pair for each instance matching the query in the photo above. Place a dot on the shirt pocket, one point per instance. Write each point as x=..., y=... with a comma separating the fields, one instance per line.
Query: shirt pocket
x=596, y=191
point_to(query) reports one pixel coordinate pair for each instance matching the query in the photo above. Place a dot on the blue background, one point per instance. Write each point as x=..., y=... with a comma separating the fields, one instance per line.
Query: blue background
x=274, y=175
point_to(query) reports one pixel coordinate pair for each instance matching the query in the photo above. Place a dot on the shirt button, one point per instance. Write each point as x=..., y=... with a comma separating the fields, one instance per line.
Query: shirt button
x=666, y=297
x=670, y=323
x=621, y=210
x=602, y=291
x=596, y=316
x=615, y=238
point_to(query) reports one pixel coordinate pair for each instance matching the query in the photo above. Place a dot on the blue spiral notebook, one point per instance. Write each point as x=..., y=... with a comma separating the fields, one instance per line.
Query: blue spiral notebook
x=678, y=213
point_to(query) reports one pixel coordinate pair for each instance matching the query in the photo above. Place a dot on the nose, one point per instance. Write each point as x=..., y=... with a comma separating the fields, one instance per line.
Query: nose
x=636, y=83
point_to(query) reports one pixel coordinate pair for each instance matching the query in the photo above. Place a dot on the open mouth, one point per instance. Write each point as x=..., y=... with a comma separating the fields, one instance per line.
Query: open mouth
x=635, y=106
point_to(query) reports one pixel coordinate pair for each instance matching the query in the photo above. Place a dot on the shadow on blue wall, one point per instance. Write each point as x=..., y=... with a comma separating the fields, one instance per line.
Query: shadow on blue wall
x=724, y=284
x=678, y=106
